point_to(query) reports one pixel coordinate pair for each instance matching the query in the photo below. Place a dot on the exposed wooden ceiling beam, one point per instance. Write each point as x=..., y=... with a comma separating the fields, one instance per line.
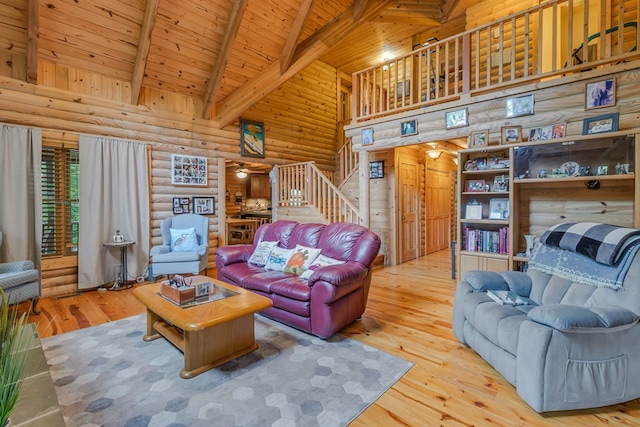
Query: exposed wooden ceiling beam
x=33, y=36
x=447, y=7
x=230, y=34
x=144, y=45
x=292, y=40
x=358, y=8
x=230, y=108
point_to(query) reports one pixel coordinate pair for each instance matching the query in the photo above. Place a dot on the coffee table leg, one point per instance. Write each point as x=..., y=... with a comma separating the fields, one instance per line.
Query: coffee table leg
x=151, y=334
x=213, y=346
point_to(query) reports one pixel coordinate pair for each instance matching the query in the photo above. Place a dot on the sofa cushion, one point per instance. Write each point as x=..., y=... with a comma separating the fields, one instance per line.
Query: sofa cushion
x=339, y=239
x=278, y=258
x=262, y=280
x=571, y=318
x=301, y=259
x=183, y=240
x=260, y=254
x=292, y=287
x=499, y=323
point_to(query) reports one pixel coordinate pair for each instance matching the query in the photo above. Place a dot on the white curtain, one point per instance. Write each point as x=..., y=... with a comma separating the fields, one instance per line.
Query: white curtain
x=20, y=193
x=114, y=195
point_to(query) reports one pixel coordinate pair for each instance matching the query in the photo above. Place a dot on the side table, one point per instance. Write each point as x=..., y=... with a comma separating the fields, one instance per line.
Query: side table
x=121, y=281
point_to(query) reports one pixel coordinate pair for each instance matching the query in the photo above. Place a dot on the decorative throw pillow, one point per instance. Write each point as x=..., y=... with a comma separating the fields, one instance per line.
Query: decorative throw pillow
x=260, y=255
x=183, y=240
x=321, y=261
x=278, y=258
x=301, y=259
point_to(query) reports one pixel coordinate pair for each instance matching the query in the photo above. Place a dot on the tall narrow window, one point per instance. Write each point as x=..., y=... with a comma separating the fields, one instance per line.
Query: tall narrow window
x=60, y=185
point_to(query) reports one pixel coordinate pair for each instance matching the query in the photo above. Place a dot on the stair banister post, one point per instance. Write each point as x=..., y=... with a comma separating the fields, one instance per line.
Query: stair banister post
x=363, y=173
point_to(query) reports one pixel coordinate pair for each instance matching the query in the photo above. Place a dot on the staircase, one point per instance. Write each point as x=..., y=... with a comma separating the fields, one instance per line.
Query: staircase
x=304, y=193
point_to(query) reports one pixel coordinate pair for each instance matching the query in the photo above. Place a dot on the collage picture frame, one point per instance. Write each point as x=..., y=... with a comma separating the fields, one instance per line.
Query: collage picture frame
x=204, y=205
x=188, y=170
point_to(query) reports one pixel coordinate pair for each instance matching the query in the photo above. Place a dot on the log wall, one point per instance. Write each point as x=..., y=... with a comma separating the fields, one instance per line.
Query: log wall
x=299, y=118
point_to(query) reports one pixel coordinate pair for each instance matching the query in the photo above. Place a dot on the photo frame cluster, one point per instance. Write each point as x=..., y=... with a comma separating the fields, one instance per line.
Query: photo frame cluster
x=188, y=170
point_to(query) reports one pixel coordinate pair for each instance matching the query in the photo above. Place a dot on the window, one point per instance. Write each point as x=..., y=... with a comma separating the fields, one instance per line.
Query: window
x=60, y=185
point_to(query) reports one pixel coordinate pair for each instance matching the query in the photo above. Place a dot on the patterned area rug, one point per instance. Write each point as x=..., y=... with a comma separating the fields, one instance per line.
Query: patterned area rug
x=108, y=376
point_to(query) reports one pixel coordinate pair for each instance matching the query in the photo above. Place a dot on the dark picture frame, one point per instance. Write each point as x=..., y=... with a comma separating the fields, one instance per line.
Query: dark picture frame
x=376, y=169
x=600, y=124
x=457, y=118
x=204, y=205
x=181, y=205
x=251, y=138
x=511, y=134
x=600, y=94
x=367, y=136
x=188, y=170
x=519, y=106
x=410, y=127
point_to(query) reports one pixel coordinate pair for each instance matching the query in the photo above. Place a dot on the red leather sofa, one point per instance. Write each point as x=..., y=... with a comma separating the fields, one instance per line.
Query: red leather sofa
x=332, y=297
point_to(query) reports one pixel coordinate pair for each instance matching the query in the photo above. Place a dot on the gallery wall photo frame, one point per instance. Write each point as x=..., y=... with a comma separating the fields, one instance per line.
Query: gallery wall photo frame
x=188, y=170
x=511, y=134
x=478, y=139
x=600, y=124
x=251, y=138
x=367, y=136
x=600, y=94
x=403, y=87
x=410, y=127
x=376, y=169
x=204, y=205
x=181, y=205
x=519, y=106
x=457, y=118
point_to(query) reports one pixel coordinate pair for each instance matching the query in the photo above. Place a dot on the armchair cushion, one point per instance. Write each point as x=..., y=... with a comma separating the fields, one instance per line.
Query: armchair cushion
x=183, y=240
x=16, y=266
x=572, y=318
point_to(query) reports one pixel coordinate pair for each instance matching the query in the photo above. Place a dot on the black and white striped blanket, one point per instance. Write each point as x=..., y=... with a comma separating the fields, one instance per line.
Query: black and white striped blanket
x=604, y=243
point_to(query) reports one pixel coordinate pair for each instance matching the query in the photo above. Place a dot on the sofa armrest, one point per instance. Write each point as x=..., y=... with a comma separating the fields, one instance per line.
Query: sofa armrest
x=339, y=274
x=159, y=250
x=482, y=281
x=571, y=318
x=227, y=255
x=16, y=266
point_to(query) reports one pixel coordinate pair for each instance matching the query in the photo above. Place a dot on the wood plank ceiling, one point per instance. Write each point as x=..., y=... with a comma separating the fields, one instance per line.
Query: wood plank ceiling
x=228, y=53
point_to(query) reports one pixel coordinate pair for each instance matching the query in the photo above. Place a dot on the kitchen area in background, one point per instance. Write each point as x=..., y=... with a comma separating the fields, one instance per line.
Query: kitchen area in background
x=247, y=200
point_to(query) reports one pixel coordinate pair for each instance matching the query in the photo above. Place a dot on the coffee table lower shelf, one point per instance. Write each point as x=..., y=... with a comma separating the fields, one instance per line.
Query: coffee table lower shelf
x=206, y=348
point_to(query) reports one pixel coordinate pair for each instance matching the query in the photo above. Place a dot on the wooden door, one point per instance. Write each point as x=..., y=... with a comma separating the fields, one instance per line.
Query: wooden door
x=438, y=210
x=408, y=204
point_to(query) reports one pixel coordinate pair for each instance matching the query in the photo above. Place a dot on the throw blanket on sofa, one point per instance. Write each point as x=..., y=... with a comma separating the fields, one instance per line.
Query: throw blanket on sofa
x=604, y=243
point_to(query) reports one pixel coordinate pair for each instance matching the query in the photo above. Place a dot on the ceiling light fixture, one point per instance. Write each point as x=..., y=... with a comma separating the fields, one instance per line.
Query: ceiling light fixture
x=434, y=153
x=241, y=173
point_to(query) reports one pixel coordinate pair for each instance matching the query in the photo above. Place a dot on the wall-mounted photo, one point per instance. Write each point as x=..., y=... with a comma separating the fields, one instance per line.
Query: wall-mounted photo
x=402, y=88
x=181, y=205
x=376, y=169
x=251, y=139
x=188, y=170
x=511, y=134
x=204, y=205
x=456, y=119
x=547, y=132
x=367, y=136
x=600, y=124
x=519, y=106
x=478, y=139
x=600, y=94
x=409, y=127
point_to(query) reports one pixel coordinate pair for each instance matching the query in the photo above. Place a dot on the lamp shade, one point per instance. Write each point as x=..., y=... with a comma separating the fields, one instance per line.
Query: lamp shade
x=434, y=154
x=241, y=173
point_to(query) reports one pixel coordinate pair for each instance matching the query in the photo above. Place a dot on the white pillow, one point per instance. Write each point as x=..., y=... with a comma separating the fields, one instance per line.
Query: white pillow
x=183, y=240
x=260, y=255
x=321, y=261
x=278, y=258
x=301, y=259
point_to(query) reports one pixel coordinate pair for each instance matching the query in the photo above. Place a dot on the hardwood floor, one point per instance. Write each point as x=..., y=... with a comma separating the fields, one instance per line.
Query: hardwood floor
x=408, y=315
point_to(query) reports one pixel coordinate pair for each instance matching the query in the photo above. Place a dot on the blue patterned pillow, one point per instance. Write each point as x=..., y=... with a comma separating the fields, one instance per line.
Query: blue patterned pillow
x=183, y=240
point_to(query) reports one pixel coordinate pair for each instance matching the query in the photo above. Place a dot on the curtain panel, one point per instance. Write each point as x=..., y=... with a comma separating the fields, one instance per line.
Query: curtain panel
x=20, y=193
x=114, y=195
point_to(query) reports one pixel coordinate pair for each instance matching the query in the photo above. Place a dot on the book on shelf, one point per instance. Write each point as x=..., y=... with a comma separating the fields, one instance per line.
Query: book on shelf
x=476, y=240
x=507, y=297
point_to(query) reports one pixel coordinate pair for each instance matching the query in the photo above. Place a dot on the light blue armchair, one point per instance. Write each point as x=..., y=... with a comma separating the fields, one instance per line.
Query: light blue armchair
x=20, y=281
x=185, y=246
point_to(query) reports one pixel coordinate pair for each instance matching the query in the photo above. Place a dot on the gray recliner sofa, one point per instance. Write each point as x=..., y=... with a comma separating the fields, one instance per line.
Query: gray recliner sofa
x=576, y=343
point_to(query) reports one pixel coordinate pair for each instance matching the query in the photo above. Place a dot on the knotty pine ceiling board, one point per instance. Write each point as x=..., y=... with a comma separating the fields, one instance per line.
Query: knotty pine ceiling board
x=13, y=28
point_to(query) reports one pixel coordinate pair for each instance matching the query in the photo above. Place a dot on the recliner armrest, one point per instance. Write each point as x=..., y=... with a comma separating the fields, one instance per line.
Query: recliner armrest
x=339, y=274
x=158, y=250
x=483, y=281
x=16, y=266
x=572, y=318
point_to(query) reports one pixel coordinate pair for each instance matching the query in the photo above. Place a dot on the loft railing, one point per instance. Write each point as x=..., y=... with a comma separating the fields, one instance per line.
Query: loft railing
x=347, y=162
x=545, y=41
x=303, y=184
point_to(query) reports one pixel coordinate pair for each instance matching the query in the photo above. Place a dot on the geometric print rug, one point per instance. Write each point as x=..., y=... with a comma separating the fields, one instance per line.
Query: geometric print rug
x=107, y=375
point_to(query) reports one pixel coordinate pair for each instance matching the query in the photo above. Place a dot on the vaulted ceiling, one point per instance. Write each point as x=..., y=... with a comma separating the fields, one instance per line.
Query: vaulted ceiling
x=228, y=53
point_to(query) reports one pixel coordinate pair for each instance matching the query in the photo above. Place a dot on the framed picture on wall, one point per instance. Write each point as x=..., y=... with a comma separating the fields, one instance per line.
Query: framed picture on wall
x=204, y=205
x=511, y=134
x=188, y=170
x=367, y=136
x=181, y=205
x=519, y=106
x=410, y=127
x=478, y=139
x=251, y=138
x=600, y=124
x=376, y=169
x=600, y=94
x=457, y=118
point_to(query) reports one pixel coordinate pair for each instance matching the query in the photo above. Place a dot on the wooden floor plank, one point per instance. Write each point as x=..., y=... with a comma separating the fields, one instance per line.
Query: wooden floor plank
x=409, y=314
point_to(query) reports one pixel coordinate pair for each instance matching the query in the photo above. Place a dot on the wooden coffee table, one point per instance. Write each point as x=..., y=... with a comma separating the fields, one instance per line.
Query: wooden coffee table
x=208, y=334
